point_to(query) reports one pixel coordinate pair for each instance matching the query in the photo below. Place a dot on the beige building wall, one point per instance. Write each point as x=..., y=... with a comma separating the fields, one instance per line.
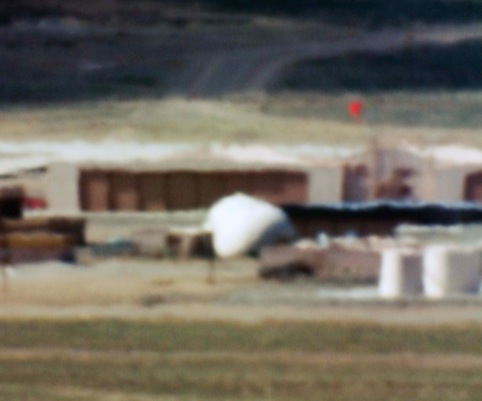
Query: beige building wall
x=450, y=183
x=62, y=187
x=325, y=185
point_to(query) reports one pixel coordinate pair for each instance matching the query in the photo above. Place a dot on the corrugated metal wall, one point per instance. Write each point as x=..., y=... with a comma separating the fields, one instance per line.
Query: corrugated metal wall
x=103, y=190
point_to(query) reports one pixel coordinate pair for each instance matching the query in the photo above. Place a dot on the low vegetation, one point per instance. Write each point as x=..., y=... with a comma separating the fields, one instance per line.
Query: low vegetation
x=174, y=360
x=180, y=336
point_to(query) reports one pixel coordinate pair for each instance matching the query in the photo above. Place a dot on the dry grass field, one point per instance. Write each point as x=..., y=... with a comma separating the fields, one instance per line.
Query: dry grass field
x=127, y=329
x=80, y=359
x=248, y=119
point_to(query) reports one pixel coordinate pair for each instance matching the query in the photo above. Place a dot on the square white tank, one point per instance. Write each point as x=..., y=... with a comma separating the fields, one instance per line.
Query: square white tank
x=401, y=273
x=449, y=270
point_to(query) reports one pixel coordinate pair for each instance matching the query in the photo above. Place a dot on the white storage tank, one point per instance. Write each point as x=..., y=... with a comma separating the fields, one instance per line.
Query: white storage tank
x=449, y=270
x=401, y=273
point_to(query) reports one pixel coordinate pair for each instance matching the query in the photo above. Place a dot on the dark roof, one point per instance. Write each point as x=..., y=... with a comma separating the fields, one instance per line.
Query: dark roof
x=436, y=213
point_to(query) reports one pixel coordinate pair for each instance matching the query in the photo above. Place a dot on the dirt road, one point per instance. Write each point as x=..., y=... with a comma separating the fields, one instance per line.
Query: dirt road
x=163, y=289
x=256, y=68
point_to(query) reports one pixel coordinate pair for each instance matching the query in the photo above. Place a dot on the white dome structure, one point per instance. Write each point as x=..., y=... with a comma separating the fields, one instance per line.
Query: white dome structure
x=240, y=224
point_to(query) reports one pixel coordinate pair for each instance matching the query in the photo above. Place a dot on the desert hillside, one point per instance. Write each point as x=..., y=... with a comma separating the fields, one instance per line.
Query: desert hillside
x=415, y=64
x=61, y=49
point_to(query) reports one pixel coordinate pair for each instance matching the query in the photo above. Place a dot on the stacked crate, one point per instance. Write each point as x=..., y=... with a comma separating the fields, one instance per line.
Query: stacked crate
x=40, y=239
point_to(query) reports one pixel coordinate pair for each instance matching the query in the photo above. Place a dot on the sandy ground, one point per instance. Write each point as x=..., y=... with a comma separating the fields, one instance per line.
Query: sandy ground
x=171, y=289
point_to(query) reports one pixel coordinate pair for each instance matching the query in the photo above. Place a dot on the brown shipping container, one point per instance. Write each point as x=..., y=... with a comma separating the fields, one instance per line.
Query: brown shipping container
x=182, y=190
x=240, y=181
x=95, y=189
x=124, y=192
x=269, y=185
x=295, y=187
x=152, y=187
x=212, y=187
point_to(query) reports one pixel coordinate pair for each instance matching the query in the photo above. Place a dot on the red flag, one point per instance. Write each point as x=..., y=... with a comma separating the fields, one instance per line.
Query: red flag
x=355, y=108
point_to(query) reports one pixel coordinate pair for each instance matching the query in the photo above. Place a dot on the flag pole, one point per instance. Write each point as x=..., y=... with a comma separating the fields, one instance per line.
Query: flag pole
x=356, y=110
